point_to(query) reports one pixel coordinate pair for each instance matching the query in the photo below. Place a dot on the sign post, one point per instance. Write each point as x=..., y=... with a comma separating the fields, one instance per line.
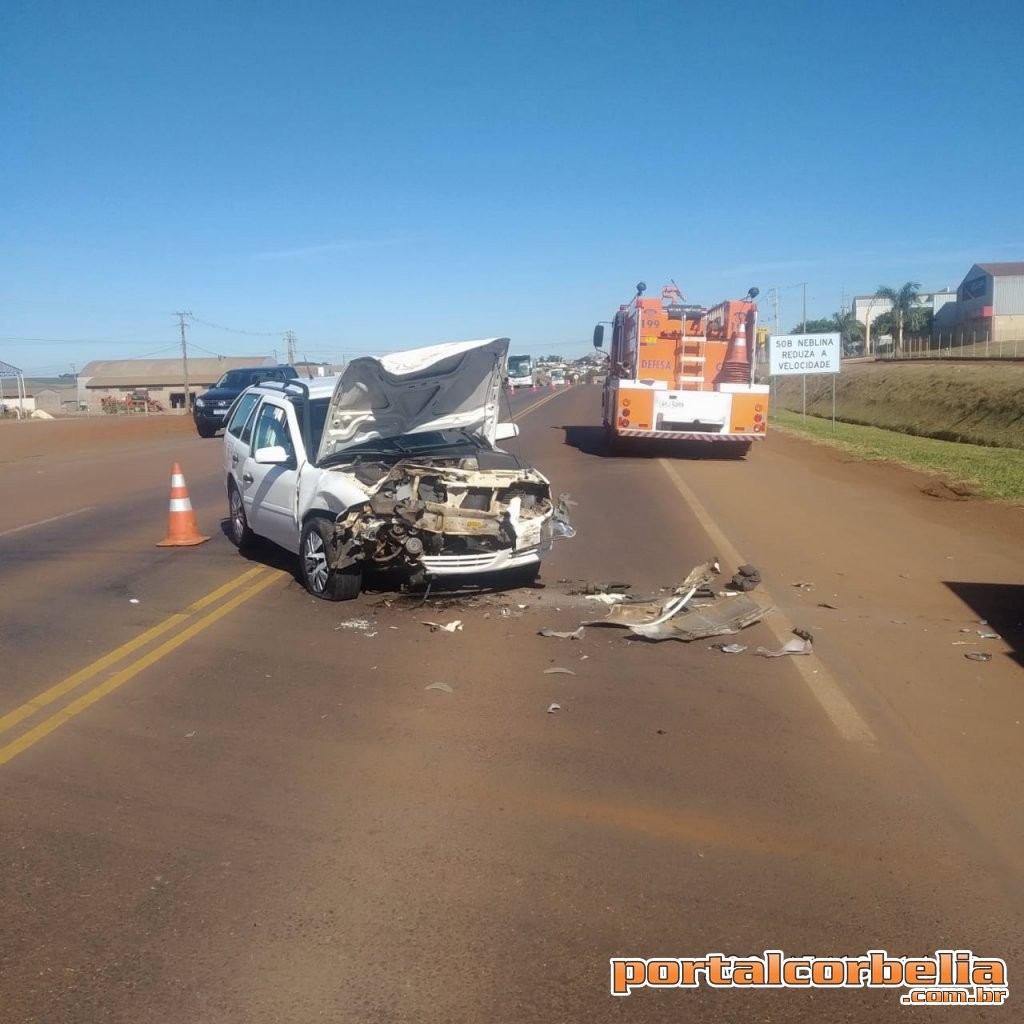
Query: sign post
x=807, y=353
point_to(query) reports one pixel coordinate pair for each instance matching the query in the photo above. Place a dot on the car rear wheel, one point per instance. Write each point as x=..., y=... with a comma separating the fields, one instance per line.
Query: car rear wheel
x=241, y=535
x=205, y=431
x=317, y=575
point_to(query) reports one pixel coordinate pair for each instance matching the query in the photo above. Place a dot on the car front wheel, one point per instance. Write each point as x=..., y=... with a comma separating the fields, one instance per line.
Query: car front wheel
x=314, y=566
x=241, y=535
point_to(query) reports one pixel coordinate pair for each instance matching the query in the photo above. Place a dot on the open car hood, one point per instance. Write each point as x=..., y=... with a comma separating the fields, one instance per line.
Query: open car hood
x=442, y=387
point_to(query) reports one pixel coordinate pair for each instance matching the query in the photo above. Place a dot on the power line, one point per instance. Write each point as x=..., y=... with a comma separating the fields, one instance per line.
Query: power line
x=234, y=330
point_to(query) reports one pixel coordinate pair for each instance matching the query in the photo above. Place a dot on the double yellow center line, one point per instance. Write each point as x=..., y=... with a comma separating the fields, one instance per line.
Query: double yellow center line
x=254, y=581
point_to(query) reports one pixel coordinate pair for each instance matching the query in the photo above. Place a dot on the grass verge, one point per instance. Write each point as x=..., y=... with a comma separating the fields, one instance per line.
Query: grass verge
x=996, y=473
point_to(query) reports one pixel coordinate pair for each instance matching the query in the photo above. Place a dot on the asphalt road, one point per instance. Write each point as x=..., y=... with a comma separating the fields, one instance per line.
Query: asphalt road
x=225, y=801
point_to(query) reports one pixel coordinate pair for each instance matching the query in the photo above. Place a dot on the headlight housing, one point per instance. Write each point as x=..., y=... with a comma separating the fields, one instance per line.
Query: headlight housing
x=200, y=404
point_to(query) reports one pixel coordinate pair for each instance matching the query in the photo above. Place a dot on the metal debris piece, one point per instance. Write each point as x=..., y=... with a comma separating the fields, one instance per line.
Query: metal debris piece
x=794, y=646
x=988, y=636
x=450, y=627
x=804, y=634
x=606, y=598
x=825, y=604
x=722, y=619
x=439, y=686
x=583, y=587
x=978, y=656
x=730, y=648
x=804, y=586
x=552, y=708
x=576, y=634
x=557, y=671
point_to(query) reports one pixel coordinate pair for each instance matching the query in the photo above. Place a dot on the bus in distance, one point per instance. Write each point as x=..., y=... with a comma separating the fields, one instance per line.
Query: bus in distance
x=520, y=371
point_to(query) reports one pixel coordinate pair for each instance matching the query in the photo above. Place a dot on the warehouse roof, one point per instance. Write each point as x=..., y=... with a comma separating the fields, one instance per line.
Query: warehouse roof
x=1003, y=269
x=139, y=373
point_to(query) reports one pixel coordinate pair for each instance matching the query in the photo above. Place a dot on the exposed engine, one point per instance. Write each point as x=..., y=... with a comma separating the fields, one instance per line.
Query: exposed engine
x=443, y=506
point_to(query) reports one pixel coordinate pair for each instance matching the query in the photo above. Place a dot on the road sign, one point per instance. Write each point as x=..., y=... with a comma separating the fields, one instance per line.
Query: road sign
x=804, y=353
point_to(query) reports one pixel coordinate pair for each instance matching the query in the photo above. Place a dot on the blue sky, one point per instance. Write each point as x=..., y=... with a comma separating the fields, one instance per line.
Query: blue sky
x=375, y=177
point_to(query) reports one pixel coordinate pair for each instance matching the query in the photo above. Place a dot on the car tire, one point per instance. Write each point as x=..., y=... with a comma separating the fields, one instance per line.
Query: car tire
x=238, y=526
x=523, y=576
x=317, y=576
x=205, y=431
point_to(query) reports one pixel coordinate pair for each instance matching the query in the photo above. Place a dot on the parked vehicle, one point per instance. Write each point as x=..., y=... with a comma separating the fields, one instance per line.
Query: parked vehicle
x=392, y=464
x=210, y=408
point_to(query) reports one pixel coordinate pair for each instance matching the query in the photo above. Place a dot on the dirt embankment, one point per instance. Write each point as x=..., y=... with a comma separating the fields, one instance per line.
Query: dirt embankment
x=972, y=403
x=28, y=439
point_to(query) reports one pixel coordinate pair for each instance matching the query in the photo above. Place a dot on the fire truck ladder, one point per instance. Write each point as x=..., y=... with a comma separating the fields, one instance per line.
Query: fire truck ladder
x=690, y=362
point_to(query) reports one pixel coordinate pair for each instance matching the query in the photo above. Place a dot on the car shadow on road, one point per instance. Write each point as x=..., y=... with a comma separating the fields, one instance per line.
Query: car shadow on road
x=1000, y=606
x=592, y=440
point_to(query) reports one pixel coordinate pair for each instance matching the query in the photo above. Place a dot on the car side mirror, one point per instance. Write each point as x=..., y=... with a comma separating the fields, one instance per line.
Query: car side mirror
x=506, y=430
x=276, y=455
x=598, y=336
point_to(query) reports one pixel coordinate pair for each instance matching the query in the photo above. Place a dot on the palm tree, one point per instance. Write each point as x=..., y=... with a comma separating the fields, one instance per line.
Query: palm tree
x=903, y=303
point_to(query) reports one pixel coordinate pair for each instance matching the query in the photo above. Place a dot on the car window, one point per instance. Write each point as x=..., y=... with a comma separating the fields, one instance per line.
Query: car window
x=246, y=434
x=272, y=429
x=242, y=409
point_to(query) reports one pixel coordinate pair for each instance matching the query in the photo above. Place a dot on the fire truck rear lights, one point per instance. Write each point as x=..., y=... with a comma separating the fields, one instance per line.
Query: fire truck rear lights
x=758, y=418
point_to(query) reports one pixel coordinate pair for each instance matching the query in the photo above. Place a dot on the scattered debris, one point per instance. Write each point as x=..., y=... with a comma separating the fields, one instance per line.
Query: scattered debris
x=745, y=580
x=582, y=587
x=804, y=634
x=557, y=671
x=964, y=643
x=795, y=646
x=825, y=604
x=660, y=732
x=651, y=619
x=353, y=624
x=978, y=656
x=450, y=627
x=444, y=687
x=988, y=636
x=576, y=634
x=374, y=633
x=606, y=598
x=189, y=735
x=729, y=648
x=133, y=600
x=804, y=586
x=552, y=708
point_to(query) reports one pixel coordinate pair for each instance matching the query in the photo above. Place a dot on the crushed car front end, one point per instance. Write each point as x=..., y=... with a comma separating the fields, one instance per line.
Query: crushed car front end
x=448, y=517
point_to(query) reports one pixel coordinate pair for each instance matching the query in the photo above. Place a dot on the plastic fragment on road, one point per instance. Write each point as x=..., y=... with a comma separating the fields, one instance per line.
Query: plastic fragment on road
x=606, y=598
x=804, y=634
x=988, y=636
x=583, y=587
x=804, y=586
x=672, y=619
x=135, y=600
x=978, y=656
x=558, y=671
x=729, y=648
x=444, y=687
x=353, y=624
x=560, y=526
x=576, y=634
x=449, y=627
x=825, y=604
x=795, y=646
x=552, y=708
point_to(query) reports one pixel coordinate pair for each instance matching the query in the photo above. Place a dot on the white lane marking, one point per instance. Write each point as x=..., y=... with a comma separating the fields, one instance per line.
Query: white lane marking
x=43, y=522
x=823, y=686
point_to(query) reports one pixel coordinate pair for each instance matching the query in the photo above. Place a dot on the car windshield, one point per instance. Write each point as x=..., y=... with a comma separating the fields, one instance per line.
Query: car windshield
x=235, y=379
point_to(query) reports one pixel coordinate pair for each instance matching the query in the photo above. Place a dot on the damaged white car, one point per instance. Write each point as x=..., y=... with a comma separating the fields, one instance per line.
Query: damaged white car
x=392, y=464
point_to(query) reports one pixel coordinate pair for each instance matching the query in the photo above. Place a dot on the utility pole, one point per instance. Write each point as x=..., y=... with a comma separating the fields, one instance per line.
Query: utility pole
x=290, y=338
x=803, y=326
x=184, y=358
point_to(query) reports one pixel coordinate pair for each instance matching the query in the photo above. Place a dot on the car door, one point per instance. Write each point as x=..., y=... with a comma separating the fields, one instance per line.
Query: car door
x=269, y=491
x=238, y=433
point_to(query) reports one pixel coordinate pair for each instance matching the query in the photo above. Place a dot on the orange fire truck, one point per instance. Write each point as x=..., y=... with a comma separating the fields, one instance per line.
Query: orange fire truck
x=683, y=372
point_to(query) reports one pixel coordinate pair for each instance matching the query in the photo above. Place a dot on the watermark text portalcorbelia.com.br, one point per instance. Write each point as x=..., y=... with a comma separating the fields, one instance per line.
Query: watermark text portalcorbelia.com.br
x=951, y=976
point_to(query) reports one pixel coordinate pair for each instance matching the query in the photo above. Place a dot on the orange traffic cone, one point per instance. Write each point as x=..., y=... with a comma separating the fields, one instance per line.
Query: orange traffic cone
x=739, y=345
x=182, y=531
